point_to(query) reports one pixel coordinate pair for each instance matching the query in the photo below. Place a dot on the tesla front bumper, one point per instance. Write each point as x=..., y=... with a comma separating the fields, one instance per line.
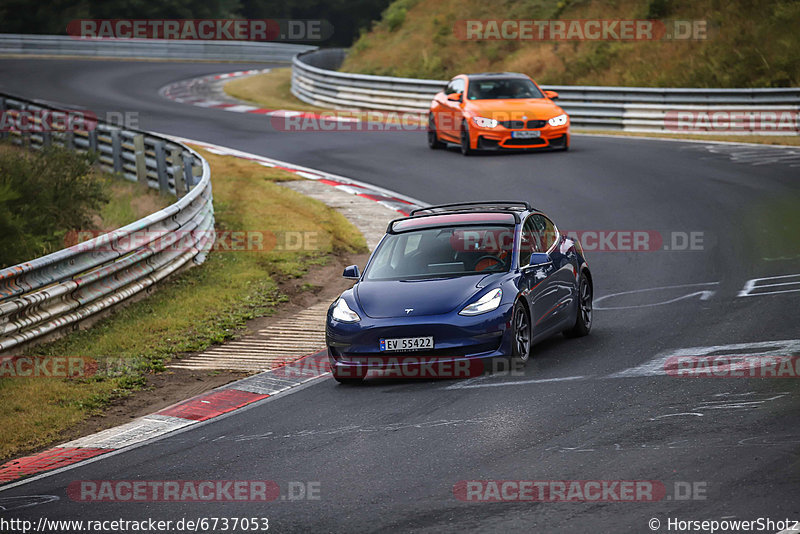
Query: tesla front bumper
x=461, y=345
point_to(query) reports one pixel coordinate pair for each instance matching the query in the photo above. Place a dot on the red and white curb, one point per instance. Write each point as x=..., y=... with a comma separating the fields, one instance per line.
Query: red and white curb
x=190, y=412
x=196, y=92
x=214, y=403
x=390, y=199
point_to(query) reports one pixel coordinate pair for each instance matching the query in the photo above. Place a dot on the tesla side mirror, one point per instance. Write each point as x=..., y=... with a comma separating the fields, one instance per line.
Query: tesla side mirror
x=454, y=97
x=552, y=95
x=540, y=258
x=351, y=272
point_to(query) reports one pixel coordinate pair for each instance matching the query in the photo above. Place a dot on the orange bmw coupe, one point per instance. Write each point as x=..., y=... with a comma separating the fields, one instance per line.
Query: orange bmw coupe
x=496, y=111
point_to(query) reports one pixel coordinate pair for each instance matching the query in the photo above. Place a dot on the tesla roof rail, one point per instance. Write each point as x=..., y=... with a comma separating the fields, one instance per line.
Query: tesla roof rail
x=460, y=206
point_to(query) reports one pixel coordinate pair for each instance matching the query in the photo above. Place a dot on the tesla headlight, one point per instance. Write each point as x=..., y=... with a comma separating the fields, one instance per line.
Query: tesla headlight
x=343, y=313
x=490, y=301
x=483, y=122
x=560, y=120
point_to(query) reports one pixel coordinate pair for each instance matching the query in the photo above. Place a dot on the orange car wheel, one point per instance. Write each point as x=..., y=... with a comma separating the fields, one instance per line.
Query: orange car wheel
x=466, y=149
x=433, y=137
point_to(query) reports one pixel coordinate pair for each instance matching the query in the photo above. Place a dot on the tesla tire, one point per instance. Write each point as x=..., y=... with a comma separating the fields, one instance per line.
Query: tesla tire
x=583, y=321
x=521, y=342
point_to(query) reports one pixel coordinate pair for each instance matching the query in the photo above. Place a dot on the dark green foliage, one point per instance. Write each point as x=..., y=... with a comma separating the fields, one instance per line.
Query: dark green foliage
x=348, y=17
x=658, y=9
x=43, y=195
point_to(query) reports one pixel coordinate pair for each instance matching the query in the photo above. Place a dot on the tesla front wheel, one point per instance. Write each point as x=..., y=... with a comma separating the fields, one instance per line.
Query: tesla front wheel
x=521, y=349
x=583, y=321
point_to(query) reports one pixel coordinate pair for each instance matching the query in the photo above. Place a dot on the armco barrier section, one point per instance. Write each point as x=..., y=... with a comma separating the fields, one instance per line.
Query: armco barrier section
x=62, y=45
x=43, y=295
x=315, y=80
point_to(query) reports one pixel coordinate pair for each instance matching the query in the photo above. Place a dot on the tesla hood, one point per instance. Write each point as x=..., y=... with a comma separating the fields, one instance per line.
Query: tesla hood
x=392, y=298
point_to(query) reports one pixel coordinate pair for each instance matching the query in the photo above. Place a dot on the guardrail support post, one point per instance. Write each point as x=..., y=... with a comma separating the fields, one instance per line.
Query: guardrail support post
x=188, y=172
x=177, y=172
x=141, y=164
x=161, y=167
x=24, y=134
x=91, y=136
x=116, y=150
x=3, y=131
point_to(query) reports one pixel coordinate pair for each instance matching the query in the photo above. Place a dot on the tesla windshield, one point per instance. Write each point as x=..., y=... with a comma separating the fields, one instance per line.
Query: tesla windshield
x=436, y=252
x=493, y=89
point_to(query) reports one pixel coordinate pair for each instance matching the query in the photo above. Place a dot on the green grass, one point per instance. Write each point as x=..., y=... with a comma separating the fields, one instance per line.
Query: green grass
x=47, y=196
x=199, y=307
x=44, y=194
x=271, y=90
x=749, y=44
x=774, y=237
x=128, y=202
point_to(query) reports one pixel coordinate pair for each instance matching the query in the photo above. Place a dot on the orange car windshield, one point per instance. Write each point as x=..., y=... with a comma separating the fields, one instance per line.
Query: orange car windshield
x=494, y=89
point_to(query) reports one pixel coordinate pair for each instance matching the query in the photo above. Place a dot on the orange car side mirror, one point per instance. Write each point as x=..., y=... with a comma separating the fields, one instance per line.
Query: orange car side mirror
x=552, y=95
x=455, y=97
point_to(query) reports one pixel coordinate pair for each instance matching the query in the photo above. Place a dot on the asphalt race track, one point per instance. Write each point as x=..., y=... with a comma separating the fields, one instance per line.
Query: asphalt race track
x=386, y=455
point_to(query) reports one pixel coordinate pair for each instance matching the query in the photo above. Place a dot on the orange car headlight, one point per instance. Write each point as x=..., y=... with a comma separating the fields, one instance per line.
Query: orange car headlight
x=483, y=122
x=559, y=120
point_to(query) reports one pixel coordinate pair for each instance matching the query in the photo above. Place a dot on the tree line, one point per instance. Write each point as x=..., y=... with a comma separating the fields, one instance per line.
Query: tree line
x=348, y=17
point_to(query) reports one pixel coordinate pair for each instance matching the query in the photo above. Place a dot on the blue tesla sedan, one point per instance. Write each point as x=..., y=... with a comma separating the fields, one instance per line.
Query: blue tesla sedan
x=455, y=285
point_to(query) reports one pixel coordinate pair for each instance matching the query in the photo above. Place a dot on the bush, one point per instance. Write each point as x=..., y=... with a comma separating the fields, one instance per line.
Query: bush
x=43, y=195
x=395, y=15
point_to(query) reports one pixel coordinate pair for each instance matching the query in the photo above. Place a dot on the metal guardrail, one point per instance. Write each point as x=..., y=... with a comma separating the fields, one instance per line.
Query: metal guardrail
x=43, y=295
x=644, y=109
x=62, y=45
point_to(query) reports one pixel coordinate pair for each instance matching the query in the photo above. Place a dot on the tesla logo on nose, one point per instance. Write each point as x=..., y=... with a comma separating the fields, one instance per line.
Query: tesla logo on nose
x=409, y=310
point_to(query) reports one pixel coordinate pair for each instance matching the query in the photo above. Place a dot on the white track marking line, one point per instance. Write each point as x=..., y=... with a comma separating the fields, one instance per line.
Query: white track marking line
x=656, y=366
x=703, y=294
x=752, y=286
x=241, y=108
x=516, y=382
